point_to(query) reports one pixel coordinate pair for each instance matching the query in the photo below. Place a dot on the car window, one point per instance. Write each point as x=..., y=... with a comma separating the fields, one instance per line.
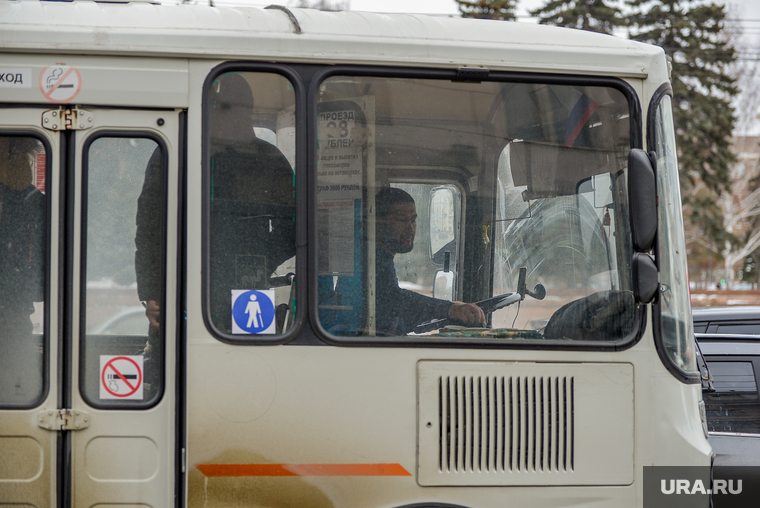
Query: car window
x=734, y=405
x=700, y=327
x=744, y=328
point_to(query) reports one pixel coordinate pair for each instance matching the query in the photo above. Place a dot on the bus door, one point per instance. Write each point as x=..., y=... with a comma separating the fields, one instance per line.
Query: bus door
x=123, y=326
x=29, y=324
x=87, y=399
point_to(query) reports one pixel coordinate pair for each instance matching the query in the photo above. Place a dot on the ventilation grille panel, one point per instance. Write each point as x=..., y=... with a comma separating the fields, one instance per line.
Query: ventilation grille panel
x=506, y=424
x=524, y=423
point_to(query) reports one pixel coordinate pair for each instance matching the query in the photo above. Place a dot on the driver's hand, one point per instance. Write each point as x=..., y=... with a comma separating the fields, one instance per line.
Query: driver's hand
x=467, y=313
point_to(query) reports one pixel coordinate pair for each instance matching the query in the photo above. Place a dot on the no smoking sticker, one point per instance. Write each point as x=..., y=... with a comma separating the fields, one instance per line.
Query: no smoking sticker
x=121, y=377
x=60, y=83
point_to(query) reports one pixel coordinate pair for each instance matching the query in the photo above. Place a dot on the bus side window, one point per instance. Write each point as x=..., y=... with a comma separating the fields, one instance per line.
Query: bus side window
x=252, y=204
x=124, y=273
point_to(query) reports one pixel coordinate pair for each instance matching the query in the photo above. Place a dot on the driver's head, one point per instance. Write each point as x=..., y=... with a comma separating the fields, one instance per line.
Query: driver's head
x=396, y=220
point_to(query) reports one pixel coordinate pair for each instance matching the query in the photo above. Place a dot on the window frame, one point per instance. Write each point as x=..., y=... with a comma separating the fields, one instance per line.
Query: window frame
x=458, y=220
x=82, y=337
x=685, y=377
x=46, y=338
x=292, y=74
x=636, y=141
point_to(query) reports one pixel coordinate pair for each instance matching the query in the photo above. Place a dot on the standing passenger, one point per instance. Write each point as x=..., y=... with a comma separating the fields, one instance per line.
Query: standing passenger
x=22, y=270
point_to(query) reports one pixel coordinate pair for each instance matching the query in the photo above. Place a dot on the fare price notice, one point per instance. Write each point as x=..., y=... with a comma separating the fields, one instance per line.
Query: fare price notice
x=340, y=175
x=340, y=157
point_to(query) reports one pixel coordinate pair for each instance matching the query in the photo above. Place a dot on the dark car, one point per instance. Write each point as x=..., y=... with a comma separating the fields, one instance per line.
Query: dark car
x=731, y=350
x=733, y=406
x=731, y=319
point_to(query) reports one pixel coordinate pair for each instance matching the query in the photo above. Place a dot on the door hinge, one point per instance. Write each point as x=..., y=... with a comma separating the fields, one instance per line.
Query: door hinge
x=63, y=419
x=64, y=119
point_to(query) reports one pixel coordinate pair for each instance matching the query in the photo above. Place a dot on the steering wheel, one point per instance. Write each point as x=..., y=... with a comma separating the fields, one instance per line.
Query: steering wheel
x=488, y=305
x=498, y=302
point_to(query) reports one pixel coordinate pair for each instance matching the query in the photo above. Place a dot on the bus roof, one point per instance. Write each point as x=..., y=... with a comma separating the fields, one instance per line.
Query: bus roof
x=306, y=35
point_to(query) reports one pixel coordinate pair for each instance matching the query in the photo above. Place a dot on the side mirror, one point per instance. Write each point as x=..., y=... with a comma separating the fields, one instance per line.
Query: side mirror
x=443, y=285
x=444, y=227
x=645, y=283
x=642, y=199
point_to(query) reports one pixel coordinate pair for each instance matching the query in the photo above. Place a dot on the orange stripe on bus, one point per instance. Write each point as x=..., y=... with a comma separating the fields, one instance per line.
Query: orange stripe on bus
x=227, y=470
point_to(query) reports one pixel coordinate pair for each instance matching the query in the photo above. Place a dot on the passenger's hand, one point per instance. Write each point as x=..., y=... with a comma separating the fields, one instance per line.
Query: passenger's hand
x=153, y=311
x=467, y=313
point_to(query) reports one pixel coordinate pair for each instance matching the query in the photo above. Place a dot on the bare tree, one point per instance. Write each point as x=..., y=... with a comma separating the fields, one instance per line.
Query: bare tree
x=741, y=206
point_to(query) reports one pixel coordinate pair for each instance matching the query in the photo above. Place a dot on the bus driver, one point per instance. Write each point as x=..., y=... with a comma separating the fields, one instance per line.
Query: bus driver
x=400, y=310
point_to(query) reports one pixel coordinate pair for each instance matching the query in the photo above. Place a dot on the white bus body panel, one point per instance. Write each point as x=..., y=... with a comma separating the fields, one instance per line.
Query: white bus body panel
x=329, y=37
x=308, y=406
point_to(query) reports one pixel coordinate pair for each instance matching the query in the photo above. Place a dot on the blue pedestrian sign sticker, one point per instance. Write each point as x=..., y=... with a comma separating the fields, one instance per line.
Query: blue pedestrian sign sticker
x=253, y=311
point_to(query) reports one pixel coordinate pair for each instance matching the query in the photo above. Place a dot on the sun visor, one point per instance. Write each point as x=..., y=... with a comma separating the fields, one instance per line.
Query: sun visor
x=550, y=170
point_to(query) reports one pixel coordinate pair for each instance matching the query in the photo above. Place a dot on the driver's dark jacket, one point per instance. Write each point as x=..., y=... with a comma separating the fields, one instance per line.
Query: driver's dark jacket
x=399, y=310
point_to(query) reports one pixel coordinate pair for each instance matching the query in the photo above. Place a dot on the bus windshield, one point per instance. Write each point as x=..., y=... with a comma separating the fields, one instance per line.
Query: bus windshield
x=509, y=194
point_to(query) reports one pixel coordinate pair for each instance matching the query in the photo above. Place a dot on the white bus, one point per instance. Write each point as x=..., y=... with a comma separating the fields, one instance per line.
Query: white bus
x=240, y=250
